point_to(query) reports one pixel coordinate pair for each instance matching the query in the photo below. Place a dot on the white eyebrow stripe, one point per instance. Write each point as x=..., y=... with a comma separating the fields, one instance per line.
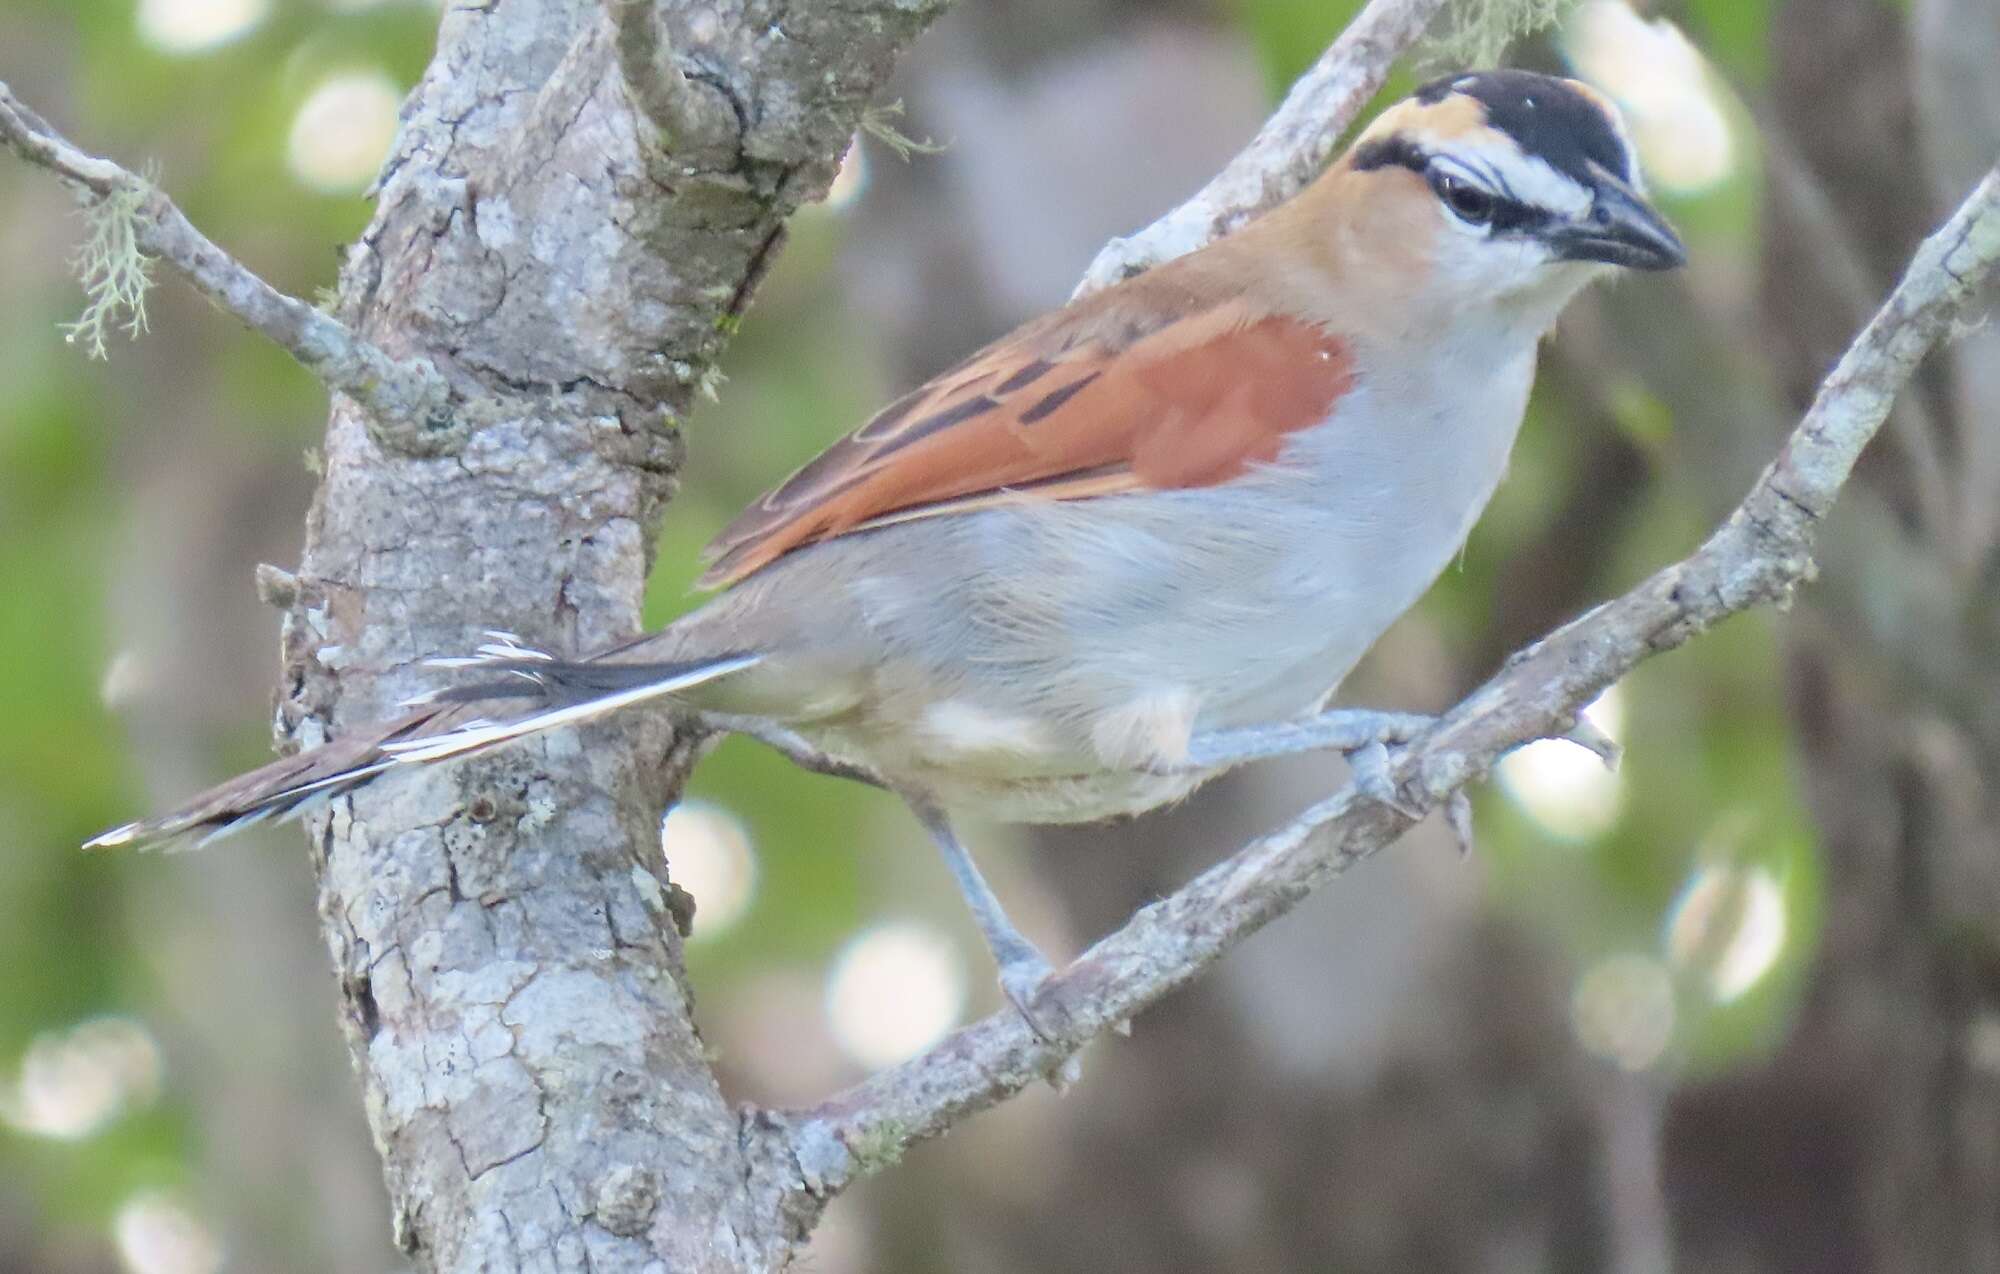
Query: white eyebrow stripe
x=1540, y=184
x=1528, y=178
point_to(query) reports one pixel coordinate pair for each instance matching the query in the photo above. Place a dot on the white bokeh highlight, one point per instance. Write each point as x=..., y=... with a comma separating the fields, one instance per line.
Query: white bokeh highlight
x=193, y=26
x=1623, y=1010
x=1728, y=929
x=156, y=1234
x=127, y=679
x=343, y=131
x=1568, y=790
x=74, y=1082
x=709, y=853
x=1663, y=85
x=893, y=991
x=850, y=180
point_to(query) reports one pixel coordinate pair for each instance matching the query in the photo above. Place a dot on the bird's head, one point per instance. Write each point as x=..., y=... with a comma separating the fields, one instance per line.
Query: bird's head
x=1500, y=186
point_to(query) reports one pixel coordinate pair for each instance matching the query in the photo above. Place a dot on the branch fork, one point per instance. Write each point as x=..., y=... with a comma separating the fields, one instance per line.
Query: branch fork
x=696, y=125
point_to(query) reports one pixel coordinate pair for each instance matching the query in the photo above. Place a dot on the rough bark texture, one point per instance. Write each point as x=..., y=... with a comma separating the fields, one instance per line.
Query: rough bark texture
x=503, y=931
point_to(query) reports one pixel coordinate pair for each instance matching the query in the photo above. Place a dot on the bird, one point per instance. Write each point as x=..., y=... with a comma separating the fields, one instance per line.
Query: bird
x=1136, y=542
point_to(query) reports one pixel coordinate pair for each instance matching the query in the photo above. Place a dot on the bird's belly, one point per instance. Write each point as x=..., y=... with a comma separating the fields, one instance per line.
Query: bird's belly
x=982, y=748
x=1080, y=798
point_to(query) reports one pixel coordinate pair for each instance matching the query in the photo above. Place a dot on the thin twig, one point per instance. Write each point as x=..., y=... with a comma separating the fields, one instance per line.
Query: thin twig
x=1287, y=152
x=410, y=393
x=1757, y=556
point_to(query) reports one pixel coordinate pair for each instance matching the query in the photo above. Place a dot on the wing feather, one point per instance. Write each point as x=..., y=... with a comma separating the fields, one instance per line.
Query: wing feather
x=1096, y=399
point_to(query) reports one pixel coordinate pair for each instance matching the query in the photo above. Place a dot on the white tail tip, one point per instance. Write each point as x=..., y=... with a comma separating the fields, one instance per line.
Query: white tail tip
x=117, y=836
x=475, y=736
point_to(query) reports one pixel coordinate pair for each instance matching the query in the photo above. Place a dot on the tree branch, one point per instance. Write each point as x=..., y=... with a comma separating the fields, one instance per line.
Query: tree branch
x=1758, y=555
x=409, y=393
x=1287, y=152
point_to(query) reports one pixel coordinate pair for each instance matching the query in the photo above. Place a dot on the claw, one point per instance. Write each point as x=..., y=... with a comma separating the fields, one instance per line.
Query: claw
x=1370, y=763
x=1022, y=977
x=1021, y=980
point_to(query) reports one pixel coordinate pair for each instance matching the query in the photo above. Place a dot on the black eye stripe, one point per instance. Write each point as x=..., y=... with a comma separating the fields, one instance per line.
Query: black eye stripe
x=1394, y=151
x=1504, y=213
x=1510, y=215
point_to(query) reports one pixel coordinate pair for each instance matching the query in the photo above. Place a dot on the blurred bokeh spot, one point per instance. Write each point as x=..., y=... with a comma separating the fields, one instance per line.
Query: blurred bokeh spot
x=74, y=1082
x=894, y=991
x=1669, y=96
x=1564, y=787
x=1728, y=928
x=1623, y=1010
x=343, y=130
x=158, y=1234
x=709, y=854
x=189, y=26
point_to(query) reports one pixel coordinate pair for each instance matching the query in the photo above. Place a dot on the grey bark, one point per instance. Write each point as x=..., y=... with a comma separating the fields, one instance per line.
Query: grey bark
x=503, y=932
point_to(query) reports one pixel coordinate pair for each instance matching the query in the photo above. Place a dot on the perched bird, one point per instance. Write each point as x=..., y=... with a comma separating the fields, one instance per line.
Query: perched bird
x=1137, y=541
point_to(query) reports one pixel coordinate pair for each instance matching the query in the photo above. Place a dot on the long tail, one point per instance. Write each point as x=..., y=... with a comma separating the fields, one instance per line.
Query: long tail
x=442, y=725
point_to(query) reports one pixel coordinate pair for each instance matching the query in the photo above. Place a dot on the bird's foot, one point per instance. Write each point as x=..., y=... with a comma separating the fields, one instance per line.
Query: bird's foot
x=1023, y=974
x=1370, y=764
x=1364, y=737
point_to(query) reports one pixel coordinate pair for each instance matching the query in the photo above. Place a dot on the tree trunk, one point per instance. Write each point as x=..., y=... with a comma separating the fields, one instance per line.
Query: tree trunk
x=503, y=930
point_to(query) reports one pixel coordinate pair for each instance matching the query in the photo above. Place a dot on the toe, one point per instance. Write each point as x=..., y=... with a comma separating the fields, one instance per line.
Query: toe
x=1021, y=980
x=1371, y=778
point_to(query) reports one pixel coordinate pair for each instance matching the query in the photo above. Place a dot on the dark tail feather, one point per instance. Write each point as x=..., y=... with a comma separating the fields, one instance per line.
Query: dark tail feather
x=444, y=725
x=570, y=693
x=557, y=682
x=284, y=789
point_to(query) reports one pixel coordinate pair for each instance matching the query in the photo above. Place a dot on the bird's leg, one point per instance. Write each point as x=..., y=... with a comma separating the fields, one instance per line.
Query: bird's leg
x=1348, y=730
x=1361, y=735
x=1022, y=968
x=792, y=745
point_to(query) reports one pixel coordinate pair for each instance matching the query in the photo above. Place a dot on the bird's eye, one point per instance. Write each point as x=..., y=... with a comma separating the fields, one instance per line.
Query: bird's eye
x=1467, y=202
